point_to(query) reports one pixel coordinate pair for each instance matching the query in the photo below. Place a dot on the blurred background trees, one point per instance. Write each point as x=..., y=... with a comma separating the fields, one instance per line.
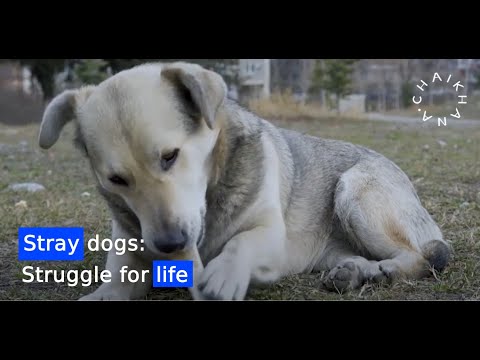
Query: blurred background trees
x=94, y=71
x=91, y=71
x=44, y=71
x=365, y=85
x=334, y=76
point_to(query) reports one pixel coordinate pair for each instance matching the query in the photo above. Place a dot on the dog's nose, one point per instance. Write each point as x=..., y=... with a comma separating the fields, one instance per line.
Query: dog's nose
x=174, y=240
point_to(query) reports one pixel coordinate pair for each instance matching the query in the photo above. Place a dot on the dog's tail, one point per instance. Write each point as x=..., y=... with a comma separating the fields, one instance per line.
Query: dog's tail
x=438, y=254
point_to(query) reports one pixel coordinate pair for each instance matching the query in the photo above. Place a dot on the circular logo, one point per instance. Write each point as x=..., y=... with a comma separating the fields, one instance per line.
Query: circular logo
x=442, y=118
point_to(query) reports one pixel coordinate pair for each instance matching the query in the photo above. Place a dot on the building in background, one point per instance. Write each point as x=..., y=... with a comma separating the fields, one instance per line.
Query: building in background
x=253, y=79
x=258, y=78
x=380, y=81
x=388, y=83
x=384, y=84
x=292, y=75
x=20, y=96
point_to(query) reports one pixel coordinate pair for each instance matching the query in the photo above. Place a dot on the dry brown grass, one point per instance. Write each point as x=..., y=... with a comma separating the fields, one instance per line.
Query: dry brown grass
x=285, y=106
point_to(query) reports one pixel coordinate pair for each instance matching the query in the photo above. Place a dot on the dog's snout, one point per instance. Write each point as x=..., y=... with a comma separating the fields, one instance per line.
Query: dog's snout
x=172, y=241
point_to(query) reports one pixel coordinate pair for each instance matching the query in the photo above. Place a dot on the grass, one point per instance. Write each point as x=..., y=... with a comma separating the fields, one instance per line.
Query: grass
x=447, y=179
x=284, y=106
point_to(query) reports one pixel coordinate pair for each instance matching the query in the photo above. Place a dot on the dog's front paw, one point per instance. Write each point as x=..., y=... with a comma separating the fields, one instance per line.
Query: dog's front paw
x=224, y=278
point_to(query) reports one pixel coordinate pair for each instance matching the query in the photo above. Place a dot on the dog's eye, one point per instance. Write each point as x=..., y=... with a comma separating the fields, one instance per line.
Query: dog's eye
x=117, y=180
x=169, y=159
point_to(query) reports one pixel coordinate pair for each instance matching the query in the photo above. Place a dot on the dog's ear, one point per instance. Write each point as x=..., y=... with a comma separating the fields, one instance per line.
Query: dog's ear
x=204, y=88
x=61, y=110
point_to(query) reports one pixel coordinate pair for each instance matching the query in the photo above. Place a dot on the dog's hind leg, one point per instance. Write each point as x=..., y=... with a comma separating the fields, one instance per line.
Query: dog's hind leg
x=347, y=270
x=382, y=219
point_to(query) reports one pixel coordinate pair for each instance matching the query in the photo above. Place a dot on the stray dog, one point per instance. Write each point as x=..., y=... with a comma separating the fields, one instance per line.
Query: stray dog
x=181, y=166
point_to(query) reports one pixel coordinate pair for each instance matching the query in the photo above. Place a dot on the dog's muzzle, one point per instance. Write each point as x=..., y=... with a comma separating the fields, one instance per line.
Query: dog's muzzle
x=172, y=241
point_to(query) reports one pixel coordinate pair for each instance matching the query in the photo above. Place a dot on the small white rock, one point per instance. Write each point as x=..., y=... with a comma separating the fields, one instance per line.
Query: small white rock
x=426, y=147
x=49, y=172
x=86, y=194
x=30, y=187
x=8, y=131
x=464, y=205
x=441, y=143
x=5, y=148
x=21, y=204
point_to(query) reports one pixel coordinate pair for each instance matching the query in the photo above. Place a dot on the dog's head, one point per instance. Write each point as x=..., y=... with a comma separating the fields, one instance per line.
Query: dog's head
x=149, y=133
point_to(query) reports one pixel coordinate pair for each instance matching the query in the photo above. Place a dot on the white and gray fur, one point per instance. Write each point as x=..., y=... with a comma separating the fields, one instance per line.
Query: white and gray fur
x=273, y=202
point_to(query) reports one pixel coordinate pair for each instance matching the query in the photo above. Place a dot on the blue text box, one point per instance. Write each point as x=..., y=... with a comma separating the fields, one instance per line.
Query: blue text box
x=63, y=244
x=173, y=273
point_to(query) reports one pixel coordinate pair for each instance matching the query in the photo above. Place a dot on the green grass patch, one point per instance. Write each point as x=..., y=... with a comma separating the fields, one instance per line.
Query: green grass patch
x=446, y=175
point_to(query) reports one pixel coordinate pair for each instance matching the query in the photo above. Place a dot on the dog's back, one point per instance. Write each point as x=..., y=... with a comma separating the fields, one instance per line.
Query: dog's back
x=332, y=191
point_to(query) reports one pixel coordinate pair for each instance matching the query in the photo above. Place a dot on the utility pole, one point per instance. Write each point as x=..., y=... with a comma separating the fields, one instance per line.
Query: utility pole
x=467, y=72
x=266, y=78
